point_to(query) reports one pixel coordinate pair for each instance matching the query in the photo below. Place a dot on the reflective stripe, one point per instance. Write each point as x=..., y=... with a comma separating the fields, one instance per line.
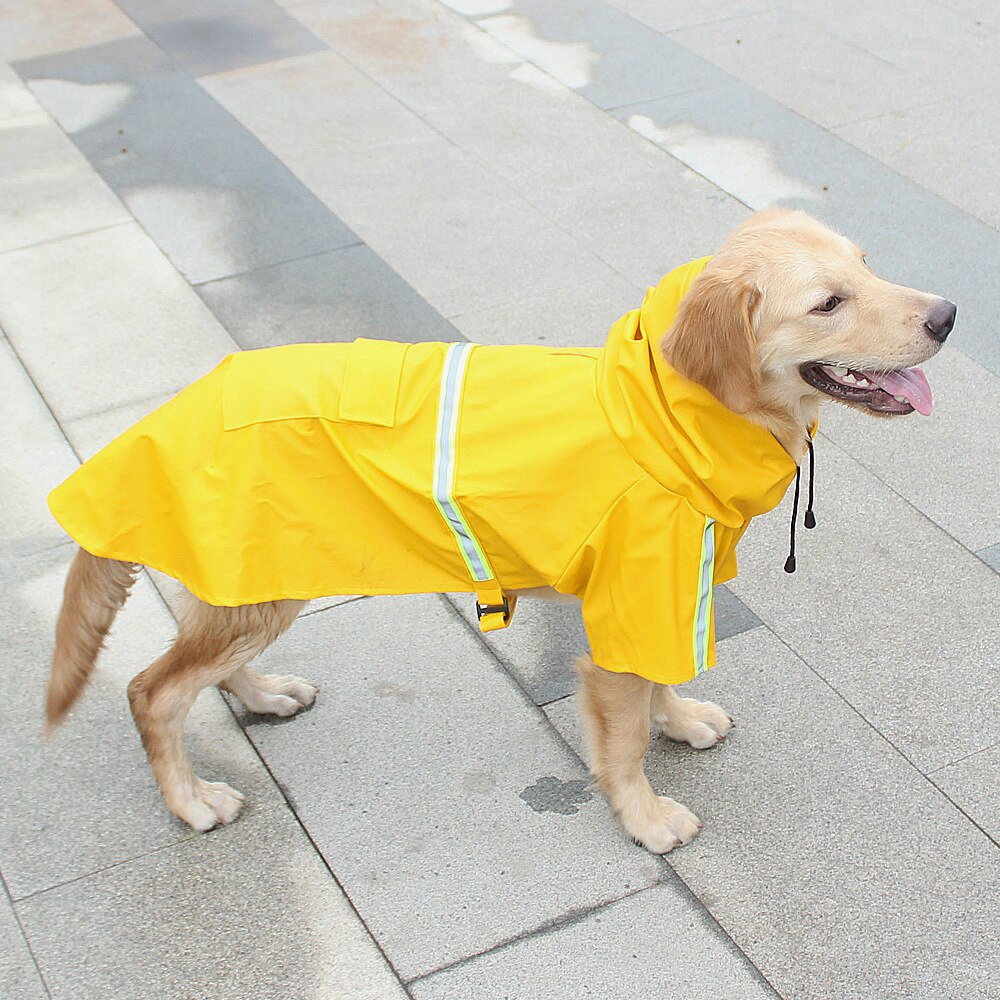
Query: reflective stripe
x=703, y=604
x=452, y=377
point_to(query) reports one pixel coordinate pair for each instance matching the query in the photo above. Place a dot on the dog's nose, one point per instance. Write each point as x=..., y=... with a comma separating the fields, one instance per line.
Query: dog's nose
x=940, y=320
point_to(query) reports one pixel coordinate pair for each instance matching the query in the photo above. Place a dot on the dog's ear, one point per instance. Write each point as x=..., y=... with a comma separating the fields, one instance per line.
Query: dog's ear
x=712, y=342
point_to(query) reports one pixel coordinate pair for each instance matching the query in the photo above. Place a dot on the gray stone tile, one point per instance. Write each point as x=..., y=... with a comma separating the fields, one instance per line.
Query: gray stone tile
x=565, y=317
x=824, y=851
x=339, y=295
x=991, y=556
x=887, y=608
x=102, y=320
x=206, y=36
x=42, y=26
x=600, y=52
x=972, y=785
x=673, y=15
x=211, y=196
x=563, y=155
x=921, y=143
x=248, y=910
x=91, y=433
x=763, y=154
x=16, y=101
x=655, y=943
x=19, y=977
x=539, y=646
x=34, y=459
x=830, y=81
x=419, y=776
x=321, y=105
x=86, y=799
x=47, y=189
x=946, y=465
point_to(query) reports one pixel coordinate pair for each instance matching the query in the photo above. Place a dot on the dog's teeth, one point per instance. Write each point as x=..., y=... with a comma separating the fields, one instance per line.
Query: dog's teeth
x=849, y=378
x=899, y=399
x=862, y=381
x=839, y=371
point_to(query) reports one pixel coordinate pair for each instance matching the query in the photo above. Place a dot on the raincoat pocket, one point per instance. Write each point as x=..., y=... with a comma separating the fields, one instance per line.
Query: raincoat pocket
x=344, y=383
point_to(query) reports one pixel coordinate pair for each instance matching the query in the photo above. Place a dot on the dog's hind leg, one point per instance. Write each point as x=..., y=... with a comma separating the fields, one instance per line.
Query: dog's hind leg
x=212, y=644
x=616, y=713
x=701, y=724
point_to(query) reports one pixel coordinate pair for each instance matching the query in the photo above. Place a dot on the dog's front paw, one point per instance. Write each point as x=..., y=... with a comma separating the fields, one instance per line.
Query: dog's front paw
x=274, y=694
x=660, y=824
x=702, y=724
x=205, y=805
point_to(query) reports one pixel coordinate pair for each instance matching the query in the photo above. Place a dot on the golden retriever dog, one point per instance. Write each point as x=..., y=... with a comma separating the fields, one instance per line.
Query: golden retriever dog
x=786, y=316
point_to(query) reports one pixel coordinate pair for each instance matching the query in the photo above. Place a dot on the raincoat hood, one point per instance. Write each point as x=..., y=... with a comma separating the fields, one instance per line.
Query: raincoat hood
x=723, y=464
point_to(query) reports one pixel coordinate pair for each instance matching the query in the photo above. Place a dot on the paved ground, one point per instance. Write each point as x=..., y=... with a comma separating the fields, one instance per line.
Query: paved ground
x=180, y=179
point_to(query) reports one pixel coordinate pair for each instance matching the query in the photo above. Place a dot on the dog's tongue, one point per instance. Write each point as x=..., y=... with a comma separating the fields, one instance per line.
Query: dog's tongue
x=911, y=383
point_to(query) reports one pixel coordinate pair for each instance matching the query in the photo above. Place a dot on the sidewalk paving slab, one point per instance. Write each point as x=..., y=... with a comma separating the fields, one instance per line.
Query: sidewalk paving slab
x=34, y=459
x=19, y=978
x=44, y=26
x=452, y=815
x=334, y=296
x=835, y=866
x=47, y=189
x=211, y=196
x=103, y=320
x=899, y=618
x=248, y=910
x=86, y=799
x=656, y=943
x=831, y=81
x=946, y=465
x=205, y=36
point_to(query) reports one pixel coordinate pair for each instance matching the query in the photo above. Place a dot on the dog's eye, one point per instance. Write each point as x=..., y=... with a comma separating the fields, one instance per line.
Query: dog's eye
x=829, y=305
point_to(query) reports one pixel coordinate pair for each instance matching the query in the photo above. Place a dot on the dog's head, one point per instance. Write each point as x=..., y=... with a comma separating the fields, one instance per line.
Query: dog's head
x=788, y=314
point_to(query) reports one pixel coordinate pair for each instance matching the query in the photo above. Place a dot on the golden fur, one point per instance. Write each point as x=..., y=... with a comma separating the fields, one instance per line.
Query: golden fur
x=744, y=329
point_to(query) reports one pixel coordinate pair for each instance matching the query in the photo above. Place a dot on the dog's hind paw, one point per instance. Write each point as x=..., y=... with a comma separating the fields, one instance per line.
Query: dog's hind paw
x=701, y=724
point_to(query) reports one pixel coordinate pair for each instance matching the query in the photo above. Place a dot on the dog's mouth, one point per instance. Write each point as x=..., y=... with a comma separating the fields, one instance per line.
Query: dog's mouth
x=895, y=392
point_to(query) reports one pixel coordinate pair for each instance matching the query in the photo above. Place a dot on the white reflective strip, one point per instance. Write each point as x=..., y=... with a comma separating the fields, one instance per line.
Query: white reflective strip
x=703, y=603
x=452, y=379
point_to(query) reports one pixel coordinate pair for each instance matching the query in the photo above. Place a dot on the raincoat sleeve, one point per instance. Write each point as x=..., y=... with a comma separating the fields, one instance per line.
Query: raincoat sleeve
x=645, y=577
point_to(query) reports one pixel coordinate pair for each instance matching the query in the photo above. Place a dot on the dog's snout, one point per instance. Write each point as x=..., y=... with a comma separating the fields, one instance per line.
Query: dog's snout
x=940, y=320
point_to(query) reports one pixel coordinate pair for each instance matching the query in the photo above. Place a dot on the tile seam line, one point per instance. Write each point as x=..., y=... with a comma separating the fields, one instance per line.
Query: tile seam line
x=205, y=282
x=102, y=869
x=66, y=237
x=961, y=760
x=668, y=871
x=567, y=919
x=875, y=729
x=24, y=935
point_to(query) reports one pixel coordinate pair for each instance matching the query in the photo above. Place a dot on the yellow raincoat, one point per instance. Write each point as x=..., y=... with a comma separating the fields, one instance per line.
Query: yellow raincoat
x=383, y=468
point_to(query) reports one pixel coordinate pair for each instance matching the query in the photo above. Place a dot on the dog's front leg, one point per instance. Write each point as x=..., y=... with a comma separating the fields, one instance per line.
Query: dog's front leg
x=701, y=724
x=616, y=710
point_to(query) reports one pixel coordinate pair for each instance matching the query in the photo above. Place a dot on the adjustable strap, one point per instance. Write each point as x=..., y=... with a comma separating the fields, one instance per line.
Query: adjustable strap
x=494, y=608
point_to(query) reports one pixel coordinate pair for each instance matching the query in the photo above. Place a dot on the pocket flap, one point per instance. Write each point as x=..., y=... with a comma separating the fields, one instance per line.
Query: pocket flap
x=371, y=382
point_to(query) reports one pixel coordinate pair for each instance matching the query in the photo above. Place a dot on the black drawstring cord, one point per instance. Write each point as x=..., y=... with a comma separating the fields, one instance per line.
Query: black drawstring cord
x=790, y=561
x=810, y=518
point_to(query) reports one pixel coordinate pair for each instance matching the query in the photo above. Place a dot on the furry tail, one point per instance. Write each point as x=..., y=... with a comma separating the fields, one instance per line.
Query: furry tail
x=95, y=591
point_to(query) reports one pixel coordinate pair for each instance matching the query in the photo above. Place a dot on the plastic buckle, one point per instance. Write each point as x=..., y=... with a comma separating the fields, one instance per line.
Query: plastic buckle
x=495, y=616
